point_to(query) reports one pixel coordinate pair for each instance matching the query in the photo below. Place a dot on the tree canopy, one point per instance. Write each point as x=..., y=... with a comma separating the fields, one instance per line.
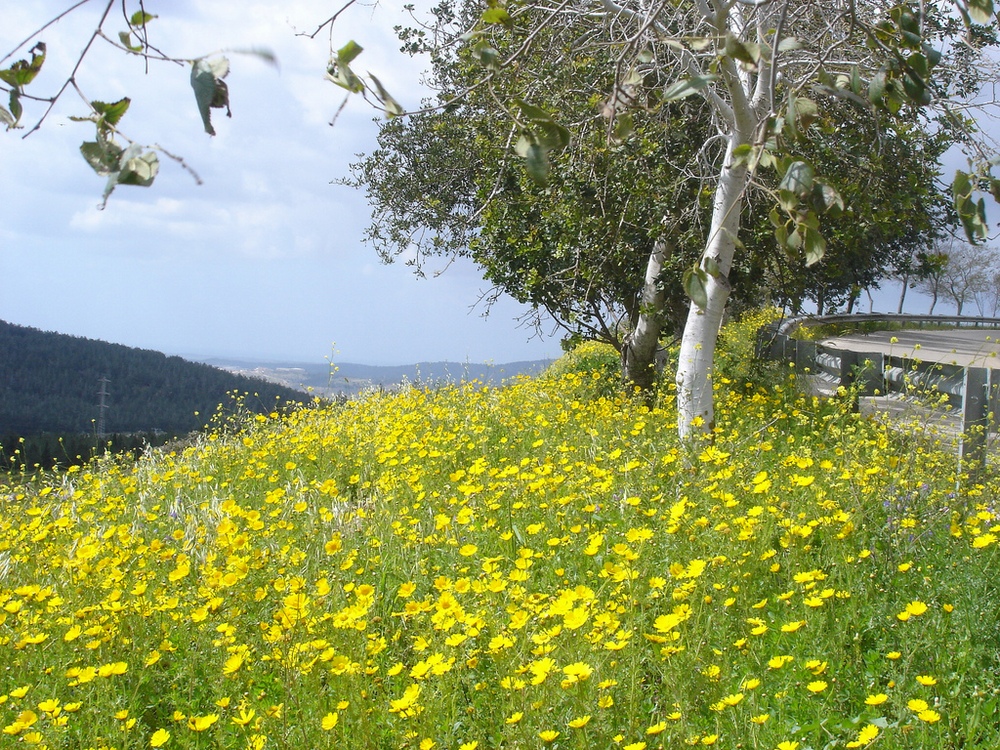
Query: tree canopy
x=567, y=224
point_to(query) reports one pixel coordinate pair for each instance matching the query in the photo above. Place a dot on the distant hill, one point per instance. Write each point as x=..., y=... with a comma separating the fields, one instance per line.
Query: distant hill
x=347, y=379
x=49, y=382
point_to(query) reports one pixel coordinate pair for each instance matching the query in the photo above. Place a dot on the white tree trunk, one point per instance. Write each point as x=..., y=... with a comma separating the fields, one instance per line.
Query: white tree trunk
x=639, y=355
x=695, y=408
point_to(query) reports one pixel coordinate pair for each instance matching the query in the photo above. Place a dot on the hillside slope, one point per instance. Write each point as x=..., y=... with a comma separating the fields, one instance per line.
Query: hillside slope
x=49, y=382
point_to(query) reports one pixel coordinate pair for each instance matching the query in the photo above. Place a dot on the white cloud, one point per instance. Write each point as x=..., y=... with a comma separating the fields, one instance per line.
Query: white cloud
x=265, y=258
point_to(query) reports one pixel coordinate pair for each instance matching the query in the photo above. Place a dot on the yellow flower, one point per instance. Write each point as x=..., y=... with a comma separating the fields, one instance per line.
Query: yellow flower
x=233, y=664
x=329, y=721
x=788, y=745
x=159, y=738
x=406, y=590
x=548, y=735
x=201, y=723
x=579, y=722
x=656, y=728
x=107, y=670
x=929, y=715
x=866, y=735
x=984, y=540
x=635, y=746
x=917, y=705
x=876, y=700
x=816, y=686
x=244, y=718
x=926, y=680
x=514, y=717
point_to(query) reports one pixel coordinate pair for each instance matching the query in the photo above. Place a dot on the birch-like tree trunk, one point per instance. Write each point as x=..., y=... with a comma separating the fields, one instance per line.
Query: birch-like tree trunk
x=740, y=104
x=639, y=354
x=695, y=405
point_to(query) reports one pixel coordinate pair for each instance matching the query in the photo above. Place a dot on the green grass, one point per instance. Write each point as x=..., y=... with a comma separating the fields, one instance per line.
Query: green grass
x=539, y=565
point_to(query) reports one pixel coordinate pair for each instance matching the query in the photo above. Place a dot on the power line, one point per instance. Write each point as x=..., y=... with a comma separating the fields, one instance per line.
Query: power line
x=102, y=407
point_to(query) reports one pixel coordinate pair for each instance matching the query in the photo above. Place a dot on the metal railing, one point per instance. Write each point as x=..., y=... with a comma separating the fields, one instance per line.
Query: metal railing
x=971, y=393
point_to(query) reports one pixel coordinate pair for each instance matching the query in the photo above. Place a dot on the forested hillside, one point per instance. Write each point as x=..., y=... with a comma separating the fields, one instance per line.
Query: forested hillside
x=49, y=382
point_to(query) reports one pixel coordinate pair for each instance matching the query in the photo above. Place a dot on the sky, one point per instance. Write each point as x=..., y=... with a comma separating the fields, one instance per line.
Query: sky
x=265, y=259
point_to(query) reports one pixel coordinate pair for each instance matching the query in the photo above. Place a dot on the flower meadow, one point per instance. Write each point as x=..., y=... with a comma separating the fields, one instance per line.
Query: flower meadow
x=538, y=565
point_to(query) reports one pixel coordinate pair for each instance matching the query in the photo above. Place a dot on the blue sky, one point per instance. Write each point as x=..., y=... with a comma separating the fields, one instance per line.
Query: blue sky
x=265, y=259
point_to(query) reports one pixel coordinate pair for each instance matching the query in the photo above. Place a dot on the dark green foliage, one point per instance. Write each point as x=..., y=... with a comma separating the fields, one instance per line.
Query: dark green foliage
x=48, y=451
x=49, y=382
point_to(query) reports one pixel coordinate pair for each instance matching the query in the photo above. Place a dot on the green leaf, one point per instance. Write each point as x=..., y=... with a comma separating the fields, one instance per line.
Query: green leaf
x=995, y=189
x=742, y=154
x=111, y=113
x=790, y=44
x=102, y=155
x=788, y=201
x=933, y=56
x=981, y=11
x=781, y=235
x=348, y=52
x=497, y=14
x=695, y=286
x=210, y=91
x=126, y=39
x=537, y=164
x=339, y=70
x=140, y=18
x=21, y=73
x=128, y=167
x=687, y=86
x=814, y=246
x=971, y=213
x=16, y=109
x=798, y=178
x=915, y=89
x=806, y=111
x=624, y=127
x=524, y=142
x=746, y=53
x=551, y=135
x=828, y=199
x=487, y=55
x=711, y=267
x=392, y=107
x=876, y=87
x=140, y=170
x=855, y=81
x=531, y=112
x=699, y=43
